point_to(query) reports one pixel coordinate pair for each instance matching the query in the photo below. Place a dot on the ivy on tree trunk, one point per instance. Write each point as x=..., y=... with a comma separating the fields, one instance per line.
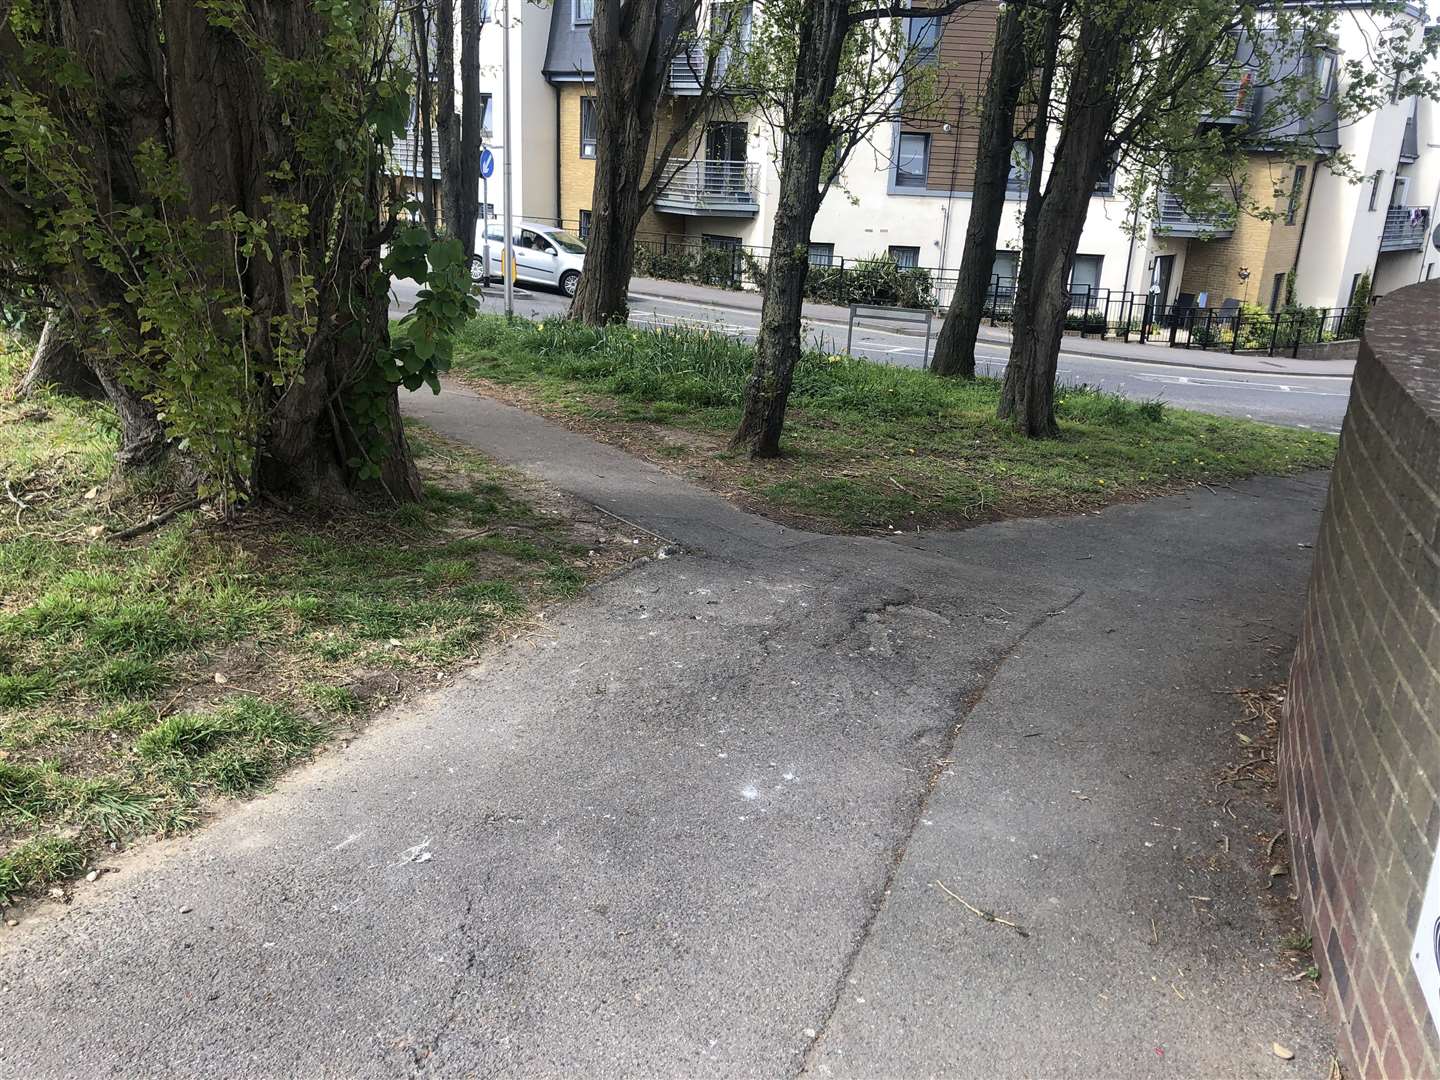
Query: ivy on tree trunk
x=228, y=266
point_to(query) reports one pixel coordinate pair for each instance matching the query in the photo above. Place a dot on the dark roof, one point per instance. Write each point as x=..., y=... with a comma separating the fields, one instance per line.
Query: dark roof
x=568, y=57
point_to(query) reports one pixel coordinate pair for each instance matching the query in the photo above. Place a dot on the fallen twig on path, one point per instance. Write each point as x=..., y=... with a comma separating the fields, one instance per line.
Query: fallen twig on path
x=988, y=916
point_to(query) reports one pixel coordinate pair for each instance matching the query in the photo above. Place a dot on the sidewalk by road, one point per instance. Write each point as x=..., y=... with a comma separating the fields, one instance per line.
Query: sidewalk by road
x=697, y=824
x=832, y=316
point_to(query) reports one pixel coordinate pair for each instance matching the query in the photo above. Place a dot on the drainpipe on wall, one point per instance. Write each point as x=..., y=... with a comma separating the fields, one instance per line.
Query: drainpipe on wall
x=559, y=198
x=1130, y=248
x=1305, y=217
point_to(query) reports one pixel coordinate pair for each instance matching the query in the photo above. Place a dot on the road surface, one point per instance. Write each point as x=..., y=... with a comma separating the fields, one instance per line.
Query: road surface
x=1306, y=401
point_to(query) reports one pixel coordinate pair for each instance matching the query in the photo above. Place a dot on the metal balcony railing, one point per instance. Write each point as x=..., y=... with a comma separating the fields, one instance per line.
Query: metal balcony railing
x=687, y=69
x=710, y=187
x=405, y=157
x=1405, y=228
x=1175, y=220
x=1240, y=96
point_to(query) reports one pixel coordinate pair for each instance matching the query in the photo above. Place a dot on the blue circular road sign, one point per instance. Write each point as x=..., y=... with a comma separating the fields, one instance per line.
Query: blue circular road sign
x=487, y=164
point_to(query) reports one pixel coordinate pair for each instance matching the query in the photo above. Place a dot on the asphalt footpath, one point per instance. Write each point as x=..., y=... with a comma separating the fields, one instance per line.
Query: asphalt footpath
x=733, y=812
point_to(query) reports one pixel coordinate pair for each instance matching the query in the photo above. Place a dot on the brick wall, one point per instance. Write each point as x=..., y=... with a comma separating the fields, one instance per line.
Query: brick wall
x=1264, y=247
x=1360, y=752
x=577, y=174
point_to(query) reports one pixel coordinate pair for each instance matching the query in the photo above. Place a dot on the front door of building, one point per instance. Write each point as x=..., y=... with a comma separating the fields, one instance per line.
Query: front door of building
x=1159, y=289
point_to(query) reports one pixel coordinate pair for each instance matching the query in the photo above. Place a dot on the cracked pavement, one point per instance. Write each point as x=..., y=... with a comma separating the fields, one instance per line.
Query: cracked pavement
x=697, y=825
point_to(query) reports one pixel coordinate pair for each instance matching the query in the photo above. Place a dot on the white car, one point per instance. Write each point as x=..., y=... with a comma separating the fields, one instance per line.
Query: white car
x=544, y=254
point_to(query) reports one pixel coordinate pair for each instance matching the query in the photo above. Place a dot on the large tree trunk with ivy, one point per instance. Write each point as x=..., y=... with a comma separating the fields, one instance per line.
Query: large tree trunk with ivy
x=59, y=366
x=226, y=124
x=633, y=42
x=1042, y=298
x=820, y=41
x=955, y=344
x=239, y=281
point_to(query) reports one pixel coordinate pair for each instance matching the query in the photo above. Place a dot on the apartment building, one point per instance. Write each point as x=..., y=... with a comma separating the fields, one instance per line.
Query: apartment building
x=906, y=191
x=1324, y=227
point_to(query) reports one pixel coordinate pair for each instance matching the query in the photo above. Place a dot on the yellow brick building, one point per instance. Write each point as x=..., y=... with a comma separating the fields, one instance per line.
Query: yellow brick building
x=1251, y=263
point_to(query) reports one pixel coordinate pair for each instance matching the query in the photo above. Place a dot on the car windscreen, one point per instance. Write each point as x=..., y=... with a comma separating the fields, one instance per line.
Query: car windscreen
x=568, y=241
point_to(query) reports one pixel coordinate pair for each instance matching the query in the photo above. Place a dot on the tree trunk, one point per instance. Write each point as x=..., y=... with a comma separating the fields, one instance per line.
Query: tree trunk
x=174, y=75
x=447, y=120
x=420, y=26
x=632, y=60
x=823, y=25
x=472, y=116
x=955, y=345
x=1042, y=296
x=460, y=132
x=57, y=363
x=226, y=127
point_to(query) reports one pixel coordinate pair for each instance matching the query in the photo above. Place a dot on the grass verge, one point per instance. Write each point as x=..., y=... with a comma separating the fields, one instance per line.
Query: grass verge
x=143, y=683
x=869, y=446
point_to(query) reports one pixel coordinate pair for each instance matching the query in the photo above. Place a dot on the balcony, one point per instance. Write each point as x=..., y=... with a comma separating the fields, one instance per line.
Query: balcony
x=1405, y=228
x=1240, y=95
x=687, y=70
x=707, y=188
x=1175, y=220
x=405, y=157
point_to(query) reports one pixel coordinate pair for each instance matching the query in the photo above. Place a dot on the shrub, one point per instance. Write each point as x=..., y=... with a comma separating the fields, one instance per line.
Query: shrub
x=1089, y=322
x=700, y=264
x=876, y=280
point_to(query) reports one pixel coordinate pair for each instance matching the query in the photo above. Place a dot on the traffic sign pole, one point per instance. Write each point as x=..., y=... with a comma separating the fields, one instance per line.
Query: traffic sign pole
x=487, y=168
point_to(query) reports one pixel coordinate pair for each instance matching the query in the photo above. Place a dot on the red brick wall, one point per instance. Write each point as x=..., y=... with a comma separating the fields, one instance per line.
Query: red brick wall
x=1360, y=752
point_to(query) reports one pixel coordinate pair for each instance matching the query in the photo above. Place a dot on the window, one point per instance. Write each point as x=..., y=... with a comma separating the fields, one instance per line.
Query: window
x=1085, y=280
x=1002, y=278
x=1297, y=192
x=1021, y=159
x=1325, y=74
x=925, y=35
x=1277, y=292
x=1375, y=188
x=1106, y=184
x=487, y=104
x=589, y=134
x=584, y=224
x=822, y=254
x=912, y=161
x=731, y=243
x=1354, y=284
x=907, y=258
x=584, y=11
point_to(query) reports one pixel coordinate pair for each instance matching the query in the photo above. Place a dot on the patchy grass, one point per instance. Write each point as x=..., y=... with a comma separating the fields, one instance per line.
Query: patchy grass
x=141, y=683
x=869, y=446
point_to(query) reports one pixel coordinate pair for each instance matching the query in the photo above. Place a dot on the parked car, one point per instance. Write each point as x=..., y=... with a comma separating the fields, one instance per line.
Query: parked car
x=544, y=254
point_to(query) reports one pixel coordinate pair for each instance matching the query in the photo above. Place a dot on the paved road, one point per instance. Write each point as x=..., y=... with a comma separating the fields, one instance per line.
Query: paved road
x=697, y=825
x=1308, y=401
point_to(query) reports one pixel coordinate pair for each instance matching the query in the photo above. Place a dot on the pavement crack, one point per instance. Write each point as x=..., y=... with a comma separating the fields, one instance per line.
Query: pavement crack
x=424, y=1053
x=897, y=855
